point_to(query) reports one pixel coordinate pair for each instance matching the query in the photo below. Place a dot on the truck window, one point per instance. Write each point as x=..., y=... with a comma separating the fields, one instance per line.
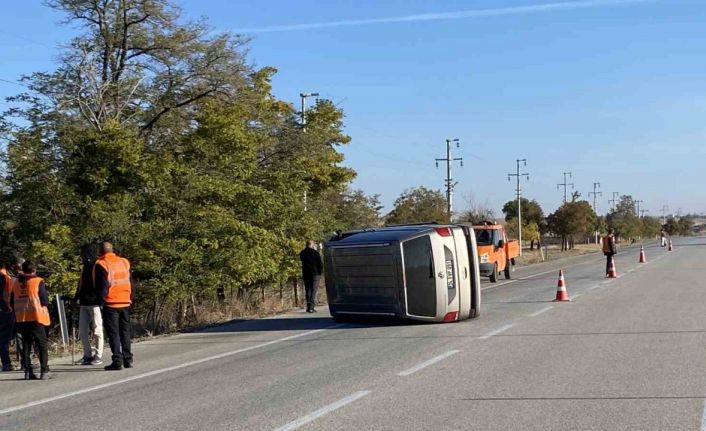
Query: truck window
x=497, y=236
x=484, y=237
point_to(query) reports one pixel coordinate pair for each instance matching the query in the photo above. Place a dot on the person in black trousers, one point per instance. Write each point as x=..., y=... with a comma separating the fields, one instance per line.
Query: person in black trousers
x=311, y=273
x=609, y=249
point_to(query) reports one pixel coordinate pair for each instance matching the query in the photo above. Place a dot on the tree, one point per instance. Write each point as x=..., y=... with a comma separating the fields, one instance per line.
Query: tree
x=570, y=220
x=623, y=218
x=530, y=231
x=476, y=212
x=531, y=211
x=419, y=205
x=157, y=135
x=650, y=227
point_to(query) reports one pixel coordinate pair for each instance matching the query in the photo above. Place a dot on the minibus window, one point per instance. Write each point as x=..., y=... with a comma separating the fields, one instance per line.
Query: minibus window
x=420, y=281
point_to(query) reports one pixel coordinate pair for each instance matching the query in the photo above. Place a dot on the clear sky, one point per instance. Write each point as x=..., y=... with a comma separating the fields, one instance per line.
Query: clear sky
x=613, y=91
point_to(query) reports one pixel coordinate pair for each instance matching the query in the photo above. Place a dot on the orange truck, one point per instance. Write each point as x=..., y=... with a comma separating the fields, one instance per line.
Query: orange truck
x=496, y=253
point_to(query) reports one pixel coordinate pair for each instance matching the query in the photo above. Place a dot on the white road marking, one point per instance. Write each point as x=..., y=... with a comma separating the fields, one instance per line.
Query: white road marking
x=425, y=364
x=594, y=287
x=497, y=331
x=159, y=371
x=576, y=296
x=323, y=411
x=543, y=310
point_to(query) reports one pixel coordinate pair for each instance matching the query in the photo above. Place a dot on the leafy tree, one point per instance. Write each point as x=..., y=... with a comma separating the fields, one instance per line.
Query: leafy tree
x=157, y=135
x=531, y=211
x=650, y=227
x=530, y=231
x=571, y=220
x=623, y=218
x=418, y=205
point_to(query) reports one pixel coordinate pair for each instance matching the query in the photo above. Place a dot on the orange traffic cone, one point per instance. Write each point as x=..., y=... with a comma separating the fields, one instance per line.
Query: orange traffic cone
x=561, y=293
x=612, y=273
x=670, y=246
x=643, y=259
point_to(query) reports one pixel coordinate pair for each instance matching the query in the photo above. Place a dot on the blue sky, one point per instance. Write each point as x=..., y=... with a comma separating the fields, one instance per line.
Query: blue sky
x=615, y=93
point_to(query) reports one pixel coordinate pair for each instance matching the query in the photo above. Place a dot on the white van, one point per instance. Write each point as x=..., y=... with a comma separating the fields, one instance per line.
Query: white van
x=421, y=272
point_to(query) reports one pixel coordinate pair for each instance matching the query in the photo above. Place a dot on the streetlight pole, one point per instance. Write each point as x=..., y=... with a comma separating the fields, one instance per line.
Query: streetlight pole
x=638, y=202
x=304, y=96
x=449, y=181
x=518, y=176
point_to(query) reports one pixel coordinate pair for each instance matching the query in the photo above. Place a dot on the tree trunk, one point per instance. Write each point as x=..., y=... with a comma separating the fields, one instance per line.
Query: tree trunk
x=296, y=292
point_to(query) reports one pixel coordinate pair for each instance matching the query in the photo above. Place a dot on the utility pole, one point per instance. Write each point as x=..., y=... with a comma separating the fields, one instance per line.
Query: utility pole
x=638, y=202
x=304, y=96
x=449, y=181
x=613, y=201
x=595, y=194
x=643, y=213
x=519, y=175
x=565, y=184
x=664, y=210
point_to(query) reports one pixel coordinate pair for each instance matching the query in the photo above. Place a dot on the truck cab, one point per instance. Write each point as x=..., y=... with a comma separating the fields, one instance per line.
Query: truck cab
x=496, y=253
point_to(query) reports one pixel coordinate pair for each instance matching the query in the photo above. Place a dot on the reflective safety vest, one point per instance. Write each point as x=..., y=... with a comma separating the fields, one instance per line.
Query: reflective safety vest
x=118, y=271
x=607, y=240
x=7, y=286
x=28, y=308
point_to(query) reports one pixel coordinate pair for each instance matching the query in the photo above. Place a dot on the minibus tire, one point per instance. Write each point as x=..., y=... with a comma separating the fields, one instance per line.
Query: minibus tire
x=508, y=270
x=494, y=275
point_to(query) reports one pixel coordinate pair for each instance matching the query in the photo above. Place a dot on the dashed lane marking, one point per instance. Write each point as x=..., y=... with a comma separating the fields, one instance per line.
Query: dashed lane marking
x=497, y=331
x=323, y=411
x=427, y=363
x=159, y=371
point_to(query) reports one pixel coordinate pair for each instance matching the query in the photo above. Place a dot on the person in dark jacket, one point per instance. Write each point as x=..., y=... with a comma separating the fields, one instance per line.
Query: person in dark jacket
x=8, y=278
x=112, y=277
x=609, y=249
x=29, y=300
x=311, y=273
x=90, y=322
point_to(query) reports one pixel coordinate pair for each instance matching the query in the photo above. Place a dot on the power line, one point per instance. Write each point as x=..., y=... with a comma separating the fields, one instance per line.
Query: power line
x=13, y=82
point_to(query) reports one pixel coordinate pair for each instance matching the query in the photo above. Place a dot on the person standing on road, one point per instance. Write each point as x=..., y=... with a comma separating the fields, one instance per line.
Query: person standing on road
x=29, y=300
x=311, y=273
x=609, y=249
x=8, y=279
x=90, y=322
x=113, y=279
x=663, y=238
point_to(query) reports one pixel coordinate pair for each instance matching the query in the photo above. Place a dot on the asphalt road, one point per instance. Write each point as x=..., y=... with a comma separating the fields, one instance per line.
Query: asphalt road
x=625, y=354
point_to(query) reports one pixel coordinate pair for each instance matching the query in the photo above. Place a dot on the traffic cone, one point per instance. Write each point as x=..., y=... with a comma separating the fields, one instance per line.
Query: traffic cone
x=612, y=273
x=643, y=259
x=670, y=246
x=561, y=293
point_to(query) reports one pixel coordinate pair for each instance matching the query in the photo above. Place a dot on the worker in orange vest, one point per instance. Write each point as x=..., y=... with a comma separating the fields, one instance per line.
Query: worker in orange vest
x=113, y=279
x=29, y=300
x=8, y=278
x=609, y=249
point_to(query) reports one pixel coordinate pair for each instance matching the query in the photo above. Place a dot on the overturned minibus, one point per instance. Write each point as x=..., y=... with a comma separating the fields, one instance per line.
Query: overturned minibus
x=422, y=272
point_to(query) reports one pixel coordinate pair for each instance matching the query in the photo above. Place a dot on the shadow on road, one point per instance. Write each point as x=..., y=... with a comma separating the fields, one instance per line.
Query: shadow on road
x=303, y=324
